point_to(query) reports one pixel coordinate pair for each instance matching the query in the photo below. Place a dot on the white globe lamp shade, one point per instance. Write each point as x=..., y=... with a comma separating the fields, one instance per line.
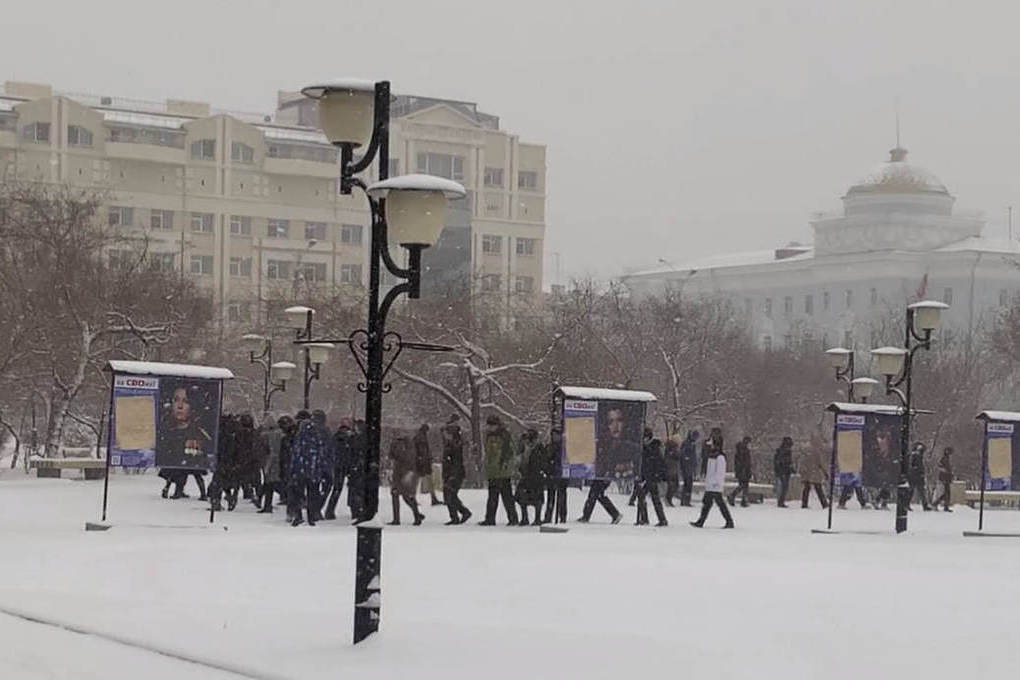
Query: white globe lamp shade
x=346, y=109
x=416, y=207
x=297, y=317
x=864, y=387
x=838, y=357
x=928, y=314
x=318, y=352
x=282, y=371
x=889, y=360
x=253, y=342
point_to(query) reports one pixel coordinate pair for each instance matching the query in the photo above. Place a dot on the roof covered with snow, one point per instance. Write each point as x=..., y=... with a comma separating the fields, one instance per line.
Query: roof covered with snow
x=743, y=259
x=877, y=409
x=174, y=370
x=597, y=393
x=898, y=176
x=1006, y=416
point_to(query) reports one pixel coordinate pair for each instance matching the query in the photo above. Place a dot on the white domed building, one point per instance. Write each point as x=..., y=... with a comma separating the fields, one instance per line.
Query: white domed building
x=897, y=241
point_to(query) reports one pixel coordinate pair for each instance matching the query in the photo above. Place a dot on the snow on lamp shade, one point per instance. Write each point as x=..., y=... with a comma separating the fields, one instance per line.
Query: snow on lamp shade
x=253, y=341
x=838, y=356
x=864, y=387
x=281, y=371
x=889, y=359
x=346, y=110
x=297, y=316
x=928, y=314
x=416, y=207
x=318, y=352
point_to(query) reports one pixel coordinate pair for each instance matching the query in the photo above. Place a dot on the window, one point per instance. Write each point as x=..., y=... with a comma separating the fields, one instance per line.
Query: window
x=204, y=150
x=36, y=132
x=491, y=282
x=202, y=264
x=277, y=269
x=350, y=234
x=238, y=312
x=848, y=298
x=825, y=301
x=788, y=341
x=241, y=153
x=526, y=246
x=748, y=306
x=240, y=225
x=302, y=152
x=278, y=228
x=788, y=305
x=133, y=135
x=350, y=273
x=1003, y=297
x=162, y=262
x=312, y=271
x=240, y=266
x=493, y=177
x=161, y=219
x=78, y=136
x=524, y=284
x=527, y=180
x=768, y=307
x=947, y=296
x=874, y=296
x=441, y=165
x=766, y=343
x=848, y=339
x=202, y=222
x=492, y=245
x=121, y=216
x=394, y=167
x=809, y=304
x=315, y=231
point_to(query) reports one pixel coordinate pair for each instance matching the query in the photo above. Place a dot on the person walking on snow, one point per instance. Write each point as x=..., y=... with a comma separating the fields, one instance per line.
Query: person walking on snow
x=423, y=463
x=715, y=481
x=742, y=470
x=915, y=475
x=782, y=465
x=405, y=479
x=813, y=473
x=945, y=477
x=500, y=467
x=453, y=472
x=688, y=464
x=651, y=472
x=532, y=468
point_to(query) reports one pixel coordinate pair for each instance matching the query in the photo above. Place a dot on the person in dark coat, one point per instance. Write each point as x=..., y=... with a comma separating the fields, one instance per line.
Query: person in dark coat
x=271, y=437
x=341, y=465
x=915, y=475
x=312, y=448
x=227, y=477
x=532, y=467
x=288, y=429
x=405, y=479
x=423, y=462
x=555, y=482
x=356, y=471
x=945, y=477
x=688, y=464
x=742, y=471
x=782, y=465
x=500, y=468
x=671, y=454
x=652, y=471
x=453, y=472
x=247, y=458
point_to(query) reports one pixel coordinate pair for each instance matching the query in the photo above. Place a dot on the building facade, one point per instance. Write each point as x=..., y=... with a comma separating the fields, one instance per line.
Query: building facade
x=247, y=204
x=896, y=241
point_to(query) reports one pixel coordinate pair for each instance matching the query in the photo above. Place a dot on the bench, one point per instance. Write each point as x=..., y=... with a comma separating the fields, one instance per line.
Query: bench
x=757, y=491
x=92, y=468
x=1010, y=498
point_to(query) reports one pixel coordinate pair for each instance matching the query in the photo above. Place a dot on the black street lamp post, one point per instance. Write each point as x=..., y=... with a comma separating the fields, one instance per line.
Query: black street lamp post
x=897, y=365
x=409, y=211
x=315, y=353
x=274, y=375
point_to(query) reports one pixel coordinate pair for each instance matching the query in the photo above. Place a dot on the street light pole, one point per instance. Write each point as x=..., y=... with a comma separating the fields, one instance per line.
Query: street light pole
x=412, y=211
x=274, y=375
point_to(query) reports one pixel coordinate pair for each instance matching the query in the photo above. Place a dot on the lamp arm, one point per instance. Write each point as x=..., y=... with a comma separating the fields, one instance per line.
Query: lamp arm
x=379, y=128
x=893, y=389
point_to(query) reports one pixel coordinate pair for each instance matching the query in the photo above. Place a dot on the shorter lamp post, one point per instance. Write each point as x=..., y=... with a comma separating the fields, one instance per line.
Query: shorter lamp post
x=896, y=364
x=299, y=318
x=274, y=375
x=863, y=388
x=842, y=360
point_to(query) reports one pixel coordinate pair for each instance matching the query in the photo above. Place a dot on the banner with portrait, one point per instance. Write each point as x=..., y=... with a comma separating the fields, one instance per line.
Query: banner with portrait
x=1001, y=448
x=188, y=423
x=618, y=440
x=867, y=449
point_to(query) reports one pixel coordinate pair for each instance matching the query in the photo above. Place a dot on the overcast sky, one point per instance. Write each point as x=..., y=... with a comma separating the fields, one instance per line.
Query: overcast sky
x=674, y=129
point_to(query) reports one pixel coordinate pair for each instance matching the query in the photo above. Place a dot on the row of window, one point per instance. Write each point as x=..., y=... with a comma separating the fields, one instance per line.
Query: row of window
x=493, y=245
x=203, y=265
x=848, y=302
x=40, y=132
x=494, y=282
x=240, y=225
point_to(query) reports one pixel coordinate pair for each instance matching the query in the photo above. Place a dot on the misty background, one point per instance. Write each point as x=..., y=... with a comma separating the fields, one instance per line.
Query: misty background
x=674, y=130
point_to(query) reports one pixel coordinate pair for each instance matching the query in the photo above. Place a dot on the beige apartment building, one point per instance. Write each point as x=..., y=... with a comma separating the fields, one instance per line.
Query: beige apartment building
x=247, y=204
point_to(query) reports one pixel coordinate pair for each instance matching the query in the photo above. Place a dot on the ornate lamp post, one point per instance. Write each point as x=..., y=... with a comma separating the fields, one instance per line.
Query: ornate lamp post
x=896, y=364
x=299, y=318
x=274, y=375
x=842, y=360
x=409, y=211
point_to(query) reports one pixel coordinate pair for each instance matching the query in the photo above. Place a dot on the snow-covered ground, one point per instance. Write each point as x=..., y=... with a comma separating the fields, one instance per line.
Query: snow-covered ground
x=768, y=599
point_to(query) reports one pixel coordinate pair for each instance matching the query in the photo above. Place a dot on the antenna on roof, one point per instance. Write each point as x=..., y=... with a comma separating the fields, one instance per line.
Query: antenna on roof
x=898, y=127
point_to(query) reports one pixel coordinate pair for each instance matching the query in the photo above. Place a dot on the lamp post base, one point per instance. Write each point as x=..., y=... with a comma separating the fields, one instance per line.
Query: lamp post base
x=903, y=494
x=367, y=582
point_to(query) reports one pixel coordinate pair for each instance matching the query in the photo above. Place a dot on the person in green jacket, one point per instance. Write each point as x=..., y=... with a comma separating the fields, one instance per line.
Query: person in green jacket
x=500, y=467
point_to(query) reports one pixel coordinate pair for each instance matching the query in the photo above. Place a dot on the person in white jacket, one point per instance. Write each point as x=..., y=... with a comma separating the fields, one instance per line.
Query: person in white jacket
x=715, y=480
